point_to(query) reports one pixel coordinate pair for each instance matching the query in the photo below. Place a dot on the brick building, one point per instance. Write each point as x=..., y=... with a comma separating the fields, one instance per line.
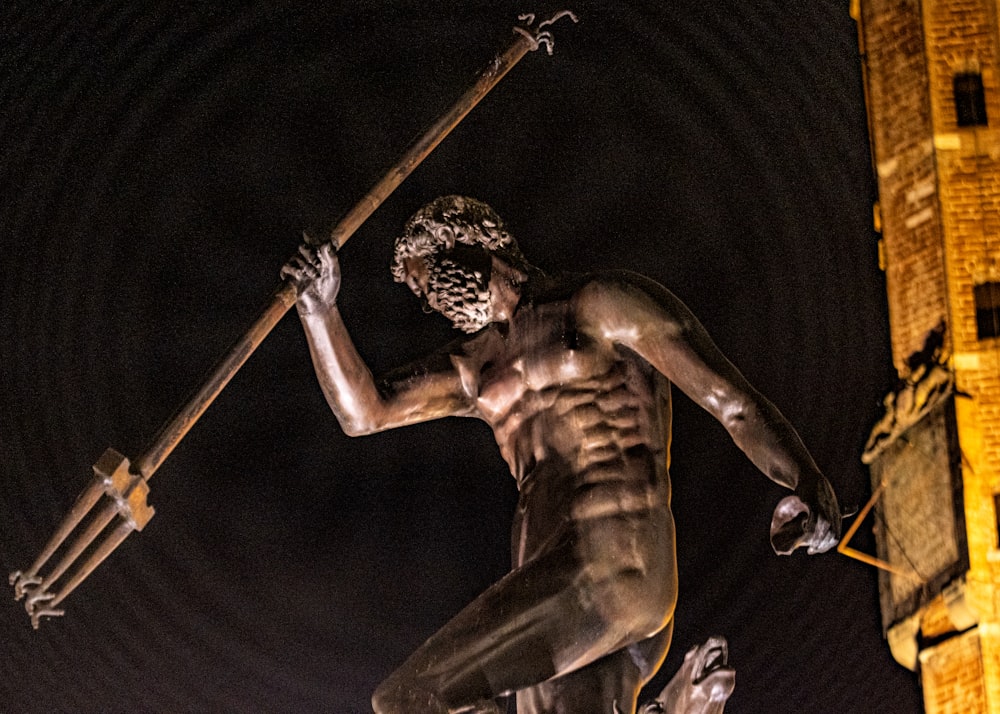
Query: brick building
x=932, y=82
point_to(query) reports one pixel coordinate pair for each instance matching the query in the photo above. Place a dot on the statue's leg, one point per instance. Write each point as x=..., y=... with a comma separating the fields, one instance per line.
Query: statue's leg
x=608, y=686
x=551, y=616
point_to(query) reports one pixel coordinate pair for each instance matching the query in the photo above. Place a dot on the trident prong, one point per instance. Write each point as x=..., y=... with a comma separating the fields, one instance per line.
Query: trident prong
x=22, y=583
x=37, y=615
x=534, y=33
x=38, y=603
x=35, y=598
x=123, y=498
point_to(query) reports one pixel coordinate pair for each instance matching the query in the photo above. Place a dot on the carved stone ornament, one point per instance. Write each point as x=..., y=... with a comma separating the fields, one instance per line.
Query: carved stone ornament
x=927, y=384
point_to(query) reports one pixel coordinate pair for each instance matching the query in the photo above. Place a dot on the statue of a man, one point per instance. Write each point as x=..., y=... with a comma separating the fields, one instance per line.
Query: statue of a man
x=573, y=375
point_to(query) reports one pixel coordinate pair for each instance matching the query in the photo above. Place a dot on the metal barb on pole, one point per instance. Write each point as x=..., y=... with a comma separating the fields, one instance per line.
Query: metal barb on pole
x=115, y=503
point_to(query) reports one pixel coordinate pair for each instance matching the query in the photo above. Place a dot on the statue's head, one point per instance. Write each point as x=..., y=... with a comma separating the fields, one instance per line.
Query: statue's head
x=450, y=244
x=702, y=685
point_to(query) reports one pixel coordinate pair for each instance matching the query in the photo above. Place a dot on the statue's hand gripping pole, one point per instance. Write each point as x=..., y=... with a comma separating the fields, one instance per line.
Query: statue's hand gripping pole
x=114, y=504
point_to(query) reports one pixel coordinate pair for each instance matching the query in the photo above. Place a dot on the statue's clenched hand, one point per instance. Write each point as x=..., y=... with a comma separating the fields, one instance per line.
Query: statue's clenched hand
x=810, y=519
x=315, y=273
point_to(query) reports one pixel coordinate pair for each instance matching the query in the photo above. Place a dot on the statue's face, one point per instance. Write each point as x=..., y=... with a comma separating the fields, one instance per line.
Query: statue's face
x=453, y=287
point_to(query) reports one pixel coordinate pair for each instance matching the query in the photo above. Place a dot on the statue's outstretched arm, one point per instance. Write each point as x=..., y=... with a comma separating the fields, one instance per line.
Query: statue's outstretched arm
x=427, y=390
x=642, y=315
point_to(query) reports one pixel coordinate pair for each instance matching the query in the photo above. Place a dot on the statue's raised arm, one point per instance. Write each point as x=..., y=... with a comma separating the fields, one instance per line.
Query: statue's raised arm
x=362, y=406
x=632, y=311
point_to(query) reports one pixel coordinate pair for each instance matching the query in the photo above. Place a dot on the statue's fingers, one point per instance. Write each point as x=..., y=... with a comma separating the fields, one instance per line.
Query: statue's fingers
x=298, y=269
x=294, y=265
x=822, y=546
x=822, y=539
x=310, y=239
x=291, y=274
x=308, y=252
x=327, y=254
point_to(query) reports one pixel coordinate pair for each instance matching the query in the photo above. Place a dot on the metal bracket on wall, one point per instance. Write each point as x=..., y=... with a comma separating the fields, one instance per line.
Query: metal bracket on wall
x=844, y=548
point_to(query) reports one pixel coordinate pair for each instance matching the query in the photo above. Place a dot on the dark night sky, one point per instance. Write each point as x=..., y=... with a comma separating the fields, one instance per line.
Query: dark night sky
x=159, y=162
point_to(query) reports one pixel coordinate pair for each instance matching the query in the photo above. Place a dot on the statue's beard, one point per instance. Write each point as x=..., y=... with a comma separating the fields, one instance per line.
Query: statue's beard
x=462, y=295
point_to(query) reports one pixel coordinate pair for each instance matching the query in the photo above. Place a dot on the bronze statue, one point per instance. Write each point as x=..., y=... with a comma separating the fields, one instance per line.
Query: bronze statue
x=573, y=375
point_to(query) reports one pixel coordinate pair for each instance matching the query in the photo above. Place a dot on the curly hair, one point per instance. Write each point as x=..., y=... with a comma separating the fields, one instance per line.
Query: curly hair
x=448, y=220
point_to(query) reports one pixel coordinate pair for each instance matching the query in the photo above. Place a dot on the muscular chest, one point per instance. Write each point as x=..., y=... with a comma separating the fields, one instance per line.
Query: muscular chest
x=541, y=352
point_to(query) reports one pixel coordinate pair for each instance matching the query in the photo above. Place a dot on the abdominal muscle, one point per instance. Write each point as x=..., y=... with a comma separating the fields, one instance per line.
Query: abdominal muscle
x=590, y=457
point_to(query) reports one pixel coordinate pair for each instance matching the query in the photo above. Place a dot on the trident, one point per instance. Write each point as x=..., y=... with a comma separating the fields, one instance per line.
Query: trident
x=115, y=502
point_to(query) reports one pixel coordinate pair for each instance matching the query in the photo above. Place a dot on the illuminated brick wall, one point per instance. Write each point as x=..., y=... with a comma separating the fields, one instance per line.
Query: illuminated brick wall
x=900, y=120
x=953, y=676
x=936, y=146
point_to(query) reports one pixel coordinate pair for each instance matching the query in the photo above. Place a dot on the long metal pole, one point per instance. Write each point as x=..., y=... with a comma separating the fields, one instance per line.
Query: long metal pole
x=125, y=485
x=284, y=297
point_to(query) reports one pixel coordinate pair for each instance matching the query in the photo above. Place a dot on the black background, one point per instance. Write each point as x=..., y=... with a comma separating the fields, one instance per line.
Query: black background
x=159, y=162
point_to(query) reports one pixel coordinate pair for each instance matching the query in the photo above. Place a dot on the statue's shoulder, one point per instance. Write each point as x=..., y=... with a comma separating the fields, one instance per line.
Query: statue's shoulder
x=616, y=285
x=567, y=285
x=625, y=303
x=607, y=297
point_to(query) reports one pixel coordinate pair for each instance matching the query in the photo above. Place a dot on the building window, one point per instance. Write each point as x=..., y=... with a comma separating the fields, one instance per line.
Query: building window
x=996, y=512
x=970, y=101
x=987, y=297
